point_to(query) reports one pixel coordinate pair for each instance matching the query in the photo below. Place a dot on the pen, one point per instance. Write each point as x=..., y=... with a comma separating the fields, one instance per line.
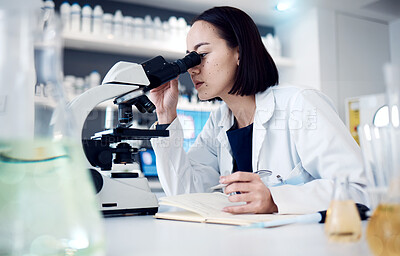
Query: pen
x=318, y=217
x=261, y=173
x=219, y=186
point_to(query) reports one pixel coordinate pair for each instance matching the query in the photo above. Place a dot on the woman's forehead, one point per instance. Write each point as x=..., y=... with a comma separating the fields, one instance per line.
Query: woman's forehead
x=202, y=33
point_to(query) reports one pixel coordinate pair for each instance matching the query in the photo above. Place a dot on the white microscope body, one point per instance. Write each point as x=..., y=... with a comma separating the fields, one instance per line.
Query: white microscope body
x=117, y=195
x=126, y=83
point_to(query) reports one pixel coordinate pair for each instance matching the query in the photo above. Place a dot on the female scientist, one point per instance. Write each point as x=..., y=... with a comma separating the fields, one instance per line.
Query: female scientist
x=293, y=132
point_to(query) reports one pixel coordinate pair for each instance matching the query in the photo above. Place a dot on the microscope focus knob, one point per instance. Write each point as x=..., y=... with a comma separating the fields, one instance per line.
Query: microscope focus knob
x=104, y=158
x=97, y=180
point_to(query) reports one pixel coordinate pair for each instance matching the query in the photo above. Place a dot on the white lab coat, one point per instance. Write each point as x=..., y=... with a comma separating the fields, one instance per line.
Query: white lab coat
x=295, y=130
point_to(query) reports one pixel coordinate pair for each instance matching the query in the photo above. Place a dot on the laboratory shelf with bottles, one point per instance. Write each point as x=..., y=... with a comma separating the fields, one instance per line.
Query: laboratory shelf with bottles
x=145, y=48
x=94, y=30
x=140, y=47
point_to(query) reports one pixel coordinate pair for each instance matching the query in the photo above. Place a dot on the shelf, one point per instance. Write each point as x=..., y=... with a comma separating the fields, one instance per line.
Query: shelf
x=145, y=48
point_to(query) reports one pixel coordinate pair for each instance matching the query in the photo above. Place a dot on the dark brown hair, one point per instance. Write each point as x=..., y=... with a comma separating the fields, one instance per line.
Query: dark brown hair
x=257, y=70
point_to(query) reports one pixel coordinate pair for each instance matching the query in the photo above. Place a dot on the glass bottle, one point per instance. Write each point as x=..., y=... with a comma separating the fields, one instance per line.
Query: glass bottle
x=383, y=230
x=47, y=200
x=343, y=223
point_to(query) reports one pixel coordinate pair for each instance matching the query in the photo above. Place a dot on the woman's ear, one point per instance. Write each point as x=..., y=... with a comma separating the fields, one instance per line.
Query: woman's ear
x=237, y=55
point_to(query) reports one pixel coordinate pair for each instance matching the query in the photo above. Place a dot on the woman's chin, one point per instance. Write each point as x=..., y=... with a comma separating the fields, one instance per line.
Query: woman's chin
x=205, y=96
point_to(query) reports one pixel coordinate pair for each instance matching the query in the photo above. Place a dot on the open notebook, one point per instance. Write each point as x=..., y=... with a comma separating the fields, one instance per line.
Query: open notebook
x=207, y=207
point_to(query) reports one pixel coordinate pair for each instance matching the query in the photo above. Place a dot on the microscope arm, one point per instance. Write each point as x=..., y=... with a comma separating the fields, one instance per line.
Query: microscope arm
x=82, y=105
x=121, y=79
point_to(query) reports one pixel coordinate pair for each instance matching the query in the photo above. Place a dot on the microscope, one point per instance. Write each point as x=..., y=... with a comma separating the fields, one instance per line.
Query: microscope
x=122, y=193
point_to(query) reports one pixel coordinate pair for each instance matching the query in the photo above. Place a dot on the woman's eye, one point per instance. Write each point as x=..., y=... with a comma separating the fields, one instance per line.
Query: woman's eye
x=202, y=55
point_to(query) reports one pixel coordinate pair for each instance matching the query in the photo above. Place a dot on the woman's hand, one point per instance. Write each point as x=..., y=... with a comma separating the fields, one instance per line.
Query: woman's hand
x=252, y=191
x=165, y=98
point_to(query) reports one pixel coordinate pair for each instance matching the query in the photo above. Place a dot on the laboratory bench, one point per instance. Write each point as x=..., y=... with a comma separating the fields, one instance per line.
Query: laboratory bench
x=145, y=235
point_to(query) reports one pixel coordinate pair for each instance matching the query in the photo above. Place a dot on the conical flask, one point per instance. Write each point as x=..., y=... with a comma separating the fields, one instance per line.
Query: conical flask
x=47, y=199
x=343, y=223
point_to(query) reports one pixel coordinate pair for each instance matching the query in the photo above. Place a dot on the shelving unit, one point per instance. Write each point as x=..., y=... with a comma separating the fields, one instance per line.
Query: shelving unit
x=146, y=48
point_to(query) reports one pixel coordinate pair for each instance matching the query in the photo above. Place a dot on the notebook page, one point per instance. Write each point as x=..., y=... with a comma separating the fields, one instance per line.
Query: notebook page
x=205, y=204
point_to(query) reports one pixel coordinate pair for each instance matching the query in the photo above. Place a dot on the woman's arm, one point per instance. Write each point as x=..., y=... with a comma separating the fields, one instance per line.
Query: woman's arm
x=180, y=172
x=326, y=149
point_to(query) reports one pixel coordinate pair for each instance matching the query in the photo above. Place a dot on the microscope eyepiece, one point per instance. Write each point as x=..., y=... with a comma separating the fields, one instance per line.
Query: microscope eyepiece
x=159, y=71
x=189, y=61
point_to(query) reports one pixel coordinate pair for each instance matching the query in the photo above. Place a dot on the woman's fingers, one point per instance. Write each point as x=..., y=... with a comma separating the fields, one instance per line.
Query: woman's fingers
x=241, y=187
x=239, y=177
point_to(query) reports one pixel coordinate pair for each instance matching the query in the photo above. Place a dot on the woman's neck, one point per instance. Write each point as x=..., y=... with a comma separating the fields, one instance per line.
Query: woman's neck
x=242, y=107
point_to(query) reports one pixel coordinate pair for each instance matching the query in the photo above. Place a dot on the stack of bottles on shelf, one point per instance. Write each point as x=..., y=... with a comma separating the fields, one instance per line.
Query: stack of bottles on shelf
x=273, y=45
x=74, y=86
x=93, y=22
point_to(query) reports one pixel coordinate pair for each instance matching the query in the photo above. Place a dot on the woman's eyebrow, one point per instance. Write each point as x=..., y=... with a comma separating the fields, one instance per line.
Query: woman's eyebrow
x=198, y=45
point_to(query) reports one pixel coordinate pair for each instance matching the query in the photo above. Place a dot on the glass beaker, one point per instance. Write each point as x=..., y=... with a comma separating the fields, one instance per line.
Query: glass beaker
x=47, y=200
x=343, y=223
x=381, y=148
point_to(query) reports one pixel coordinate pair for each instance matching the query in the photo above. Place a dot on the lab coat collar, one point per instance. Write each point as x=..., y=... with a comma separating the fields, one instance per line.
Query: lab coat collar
x=265, y=107
x=227, y=118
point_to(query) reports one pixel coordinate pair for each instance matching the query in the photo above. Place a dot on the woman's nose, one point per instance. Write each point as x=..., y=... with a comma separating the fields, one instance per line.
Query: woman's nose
x=194, y=70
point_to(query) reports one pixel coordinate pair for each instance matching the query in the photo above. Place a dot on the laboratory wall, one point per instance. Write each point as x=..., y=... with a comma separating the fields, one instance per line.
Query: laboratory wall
x=363, y=48
x=337, y=53
x=299, y=37
x=394, y=30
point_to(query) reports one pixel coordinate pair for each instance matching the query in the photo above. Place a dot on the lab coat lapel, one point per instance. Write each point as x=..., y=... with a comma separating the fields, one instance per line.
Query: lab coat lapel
x=265, y=106
x=225, y=124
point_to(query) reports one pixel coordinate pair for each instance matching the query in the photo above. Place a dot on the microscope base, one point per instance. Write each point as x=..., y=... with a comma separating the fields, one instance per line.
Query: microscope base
x=126, y=196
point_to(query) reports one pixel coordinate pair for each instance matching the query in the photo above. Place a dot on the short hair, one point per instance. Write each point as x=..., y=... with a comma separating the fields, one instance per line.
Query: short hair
x=257, y=70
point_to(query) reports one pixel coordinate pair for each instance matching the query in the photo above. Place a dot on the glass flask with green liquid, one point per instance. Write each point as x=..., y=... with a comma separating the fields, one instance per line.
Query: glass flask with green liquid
x=47, y=199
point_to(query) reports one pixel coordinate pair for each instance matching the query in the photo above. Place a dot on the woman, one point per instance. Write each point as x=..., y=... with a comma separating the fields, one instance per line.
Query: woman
x=295, y=133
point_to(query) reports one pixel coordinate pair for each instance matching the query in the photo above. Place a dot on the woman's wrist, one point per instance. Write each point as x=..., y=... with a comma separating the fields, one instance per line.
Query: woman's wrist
x=166, y=118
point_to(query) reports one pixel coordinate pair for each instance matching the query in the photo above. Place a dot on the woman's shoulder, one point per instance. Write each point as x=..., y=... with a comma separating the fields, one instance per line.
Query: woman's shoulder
x=289, y=90
x=291, y=94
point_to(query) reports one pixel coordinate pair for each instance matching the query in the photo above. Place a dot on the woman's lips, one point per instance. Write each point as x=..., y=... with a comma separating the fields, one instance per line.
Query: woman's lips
x=198, y=85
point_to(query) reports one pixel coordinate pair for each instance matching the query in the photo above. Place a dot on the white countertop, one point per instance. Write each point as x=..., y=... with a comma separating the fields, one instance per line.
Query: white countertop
x=144, y=235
